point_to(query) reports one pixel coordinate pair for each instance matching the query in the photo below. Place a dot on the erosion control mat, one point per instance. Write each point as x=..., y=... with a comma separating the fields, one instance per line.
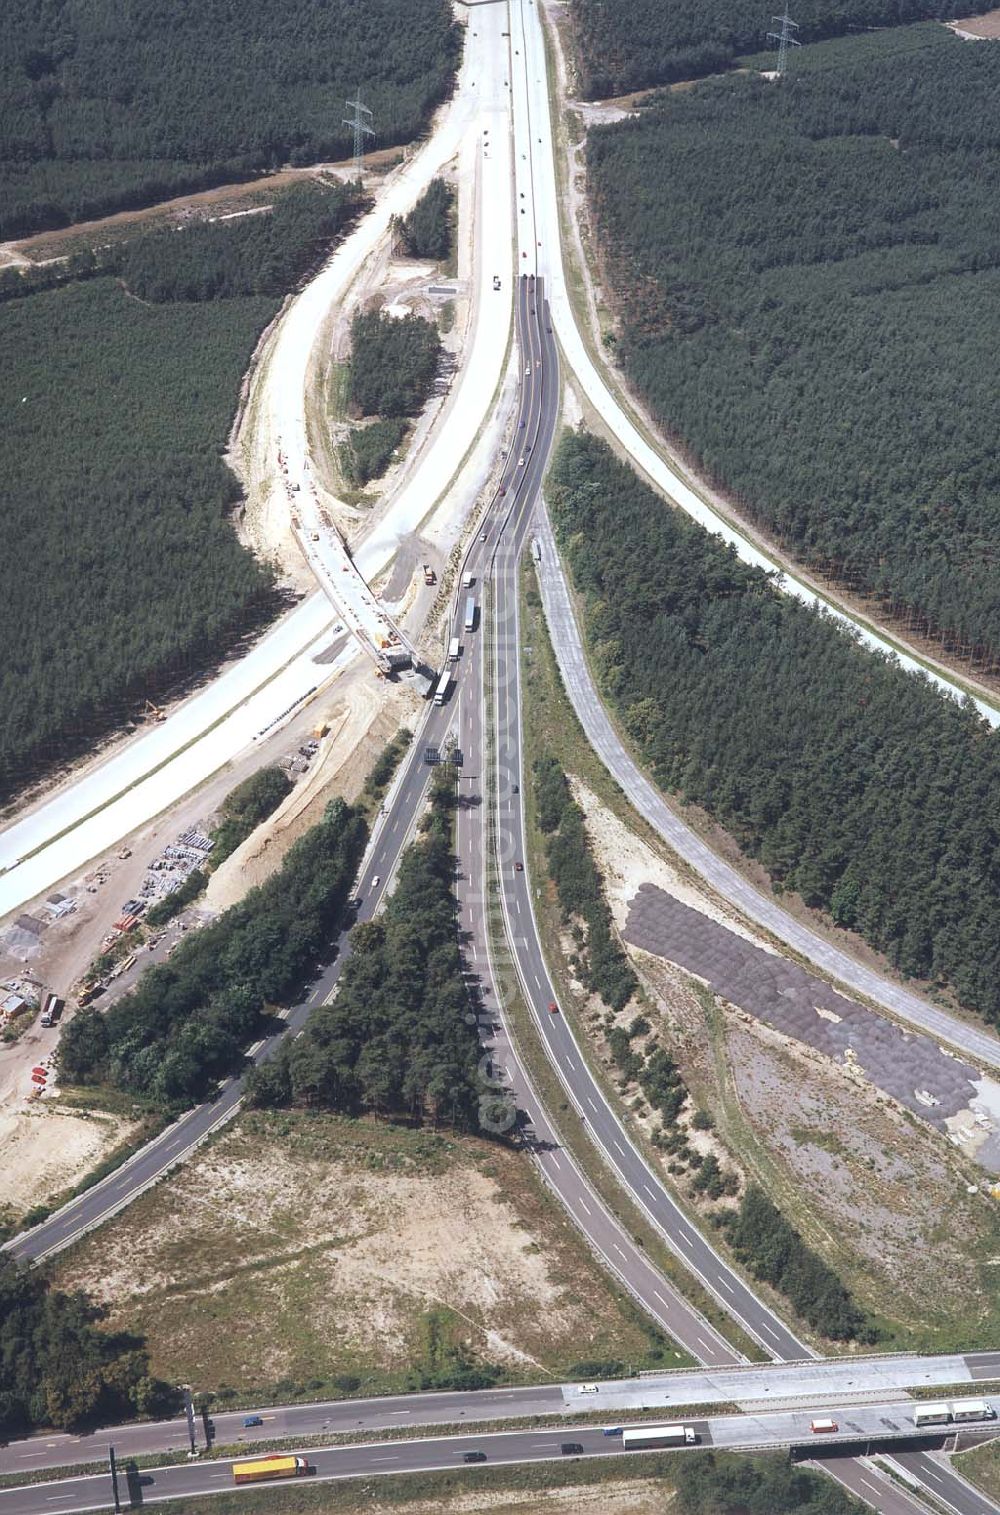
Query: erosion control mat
x=909, y=1066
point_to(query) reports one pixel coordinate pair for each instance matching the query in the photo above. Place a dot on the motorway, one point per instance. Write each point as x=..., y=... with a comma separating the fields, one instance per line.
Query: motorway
x=535, y=161
x=812, y=1384
x=775, y=1429
x=143, y=777
x=495, y=555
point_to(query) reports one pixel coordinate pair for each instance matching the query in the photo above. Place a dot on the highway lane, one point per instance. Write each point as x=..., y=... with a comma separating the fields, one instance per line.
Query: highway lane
x=143, y=777
x=501, y=1065
x=373, y=1459
x=814, y=1383
x=565, y=1053
x=534, y=158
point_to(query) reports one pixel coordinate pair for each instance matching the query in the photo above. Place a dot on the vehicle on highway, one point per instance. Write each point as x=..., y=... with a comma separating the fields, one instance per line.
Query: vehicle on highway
x=554, y=1010
x=454, y=650
x=571, y=1448
x=940, y=1412
x=473, y=1456
x=443, y=688
x=823, y=1427
x=586, y=1388
x=249, y=1421
x=612, y=1431
x=527, y=370
x=376, y=880
x=470, y=612
x=264, y=1468
x=640, y=1438
x=518, y=867
x=516, y=789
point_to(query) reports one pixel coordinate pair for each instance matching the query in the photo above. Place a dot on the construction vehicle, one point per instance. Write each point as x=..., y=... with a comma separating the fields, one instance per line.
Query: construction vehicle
x=155, y=711
x=430, y=577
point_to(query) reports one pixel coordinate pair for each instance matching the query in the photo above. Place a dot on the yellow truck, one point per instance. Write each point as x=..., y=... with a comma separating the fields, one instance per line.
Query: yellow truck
x=262, y=1468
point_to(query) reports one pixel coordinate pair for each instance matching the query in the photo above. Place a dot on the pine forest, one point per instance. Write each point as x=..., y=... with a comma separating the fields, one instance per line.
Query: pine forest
x=807, y=274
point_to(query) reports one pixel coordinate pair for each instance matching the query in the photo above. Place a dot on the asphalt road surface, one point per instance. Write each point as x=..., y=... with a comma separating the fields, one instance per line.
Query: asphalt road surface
x=535, y=160
x=736, y=1432
x=811, y=1385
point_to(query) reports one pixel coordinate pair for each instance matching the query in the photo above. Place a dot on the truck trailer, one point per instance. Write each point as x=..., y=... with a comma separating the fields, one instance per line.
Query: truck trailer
x=263, y=1468
x=470, y=613
x=641, y=1438
x=454, y=648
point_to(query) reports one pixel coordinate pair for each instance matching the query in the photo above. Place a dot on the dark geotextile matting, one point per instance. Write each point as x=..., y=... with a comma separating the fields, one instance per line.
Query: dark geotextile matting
x=789, y=999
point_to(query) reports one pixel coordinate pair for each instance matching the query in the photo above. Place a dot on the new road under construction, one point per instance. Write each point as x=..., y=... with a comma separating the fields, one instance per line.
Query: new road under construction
x=852, y=1408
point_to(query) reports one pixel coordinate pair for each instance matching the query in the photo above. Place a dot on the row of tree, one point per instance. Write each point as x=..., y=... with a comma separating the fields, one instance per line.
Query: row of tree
x=245, y=807
x=600, y=961
x=58, y=1368
x=797, y=331
x=774, y=1251
x=187, y=1021
x=400, y=1039
x=631, y=44
x=860, y=786
x=102, y=106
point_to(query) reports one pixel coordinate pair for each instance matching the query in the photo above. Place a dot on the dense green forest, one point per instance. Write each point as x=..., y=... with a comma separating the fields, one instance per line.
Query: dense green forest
x=187, y=1021
x=105, y=105
x=860, y=786
x=394, y=362
x=57, y=1368
x=428, y=230
x=624, y=45
x=400, y=1039
x=719, y=1483
x=808, y=275
x=121, y=573
x=260, y=254
x=599, y=960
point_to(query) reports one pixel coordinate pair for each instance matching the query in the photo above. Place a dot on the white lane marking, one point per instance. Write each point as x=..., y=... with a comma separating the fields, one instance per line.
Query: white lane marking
x=618, y=1249
x=585, y=1207
x=652, y=1194
x=724, y=1281
x=659, y=1296
x=571, y=1064
x=683, y=1236
x=620, y=1148
x=767, y=1328
x=554, y=1160
x=590, y=1102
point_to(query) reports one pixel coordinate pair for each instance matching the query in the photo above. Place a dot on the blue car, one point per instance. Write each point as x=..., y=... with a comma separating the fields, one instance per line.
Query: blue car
x=612, y=1430
x=249, y=1421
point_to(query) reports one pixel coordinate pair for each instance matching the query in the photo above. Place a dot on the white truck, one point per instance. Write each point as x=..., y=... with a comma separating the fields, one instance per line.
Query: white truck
x=641, y=1438
x=454, y=648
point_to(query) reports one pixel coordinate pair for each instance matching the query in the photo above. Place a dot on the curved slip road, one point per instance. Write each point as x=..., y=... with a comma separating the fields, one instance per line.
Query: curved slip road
x=533, y=122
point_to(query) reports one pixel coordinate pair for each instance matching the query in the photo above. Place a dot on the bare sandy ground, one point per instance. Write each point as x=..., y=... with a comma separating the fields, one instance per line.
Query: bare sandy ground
x=342, y=1236
x=978, y=28
x=627, y=862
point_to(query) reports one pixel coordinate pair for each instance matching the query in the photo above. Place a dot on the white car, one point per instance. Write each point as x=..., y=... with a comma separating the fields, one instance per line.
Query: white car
x=376, y=880
x=588, y=1388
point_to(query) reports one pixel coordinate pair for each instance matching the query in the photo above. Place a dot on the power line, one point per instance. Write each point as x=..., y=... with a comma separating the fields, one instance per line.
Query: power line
x=783, y=39
x=361, y=129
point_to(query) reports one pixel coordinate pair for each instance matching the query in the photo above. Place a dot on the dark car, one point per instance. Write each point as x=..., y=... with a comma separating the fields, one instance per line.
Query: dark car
x=473, y=1456
x=249, y=1421
x=518, y=867
x=571, y=1448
